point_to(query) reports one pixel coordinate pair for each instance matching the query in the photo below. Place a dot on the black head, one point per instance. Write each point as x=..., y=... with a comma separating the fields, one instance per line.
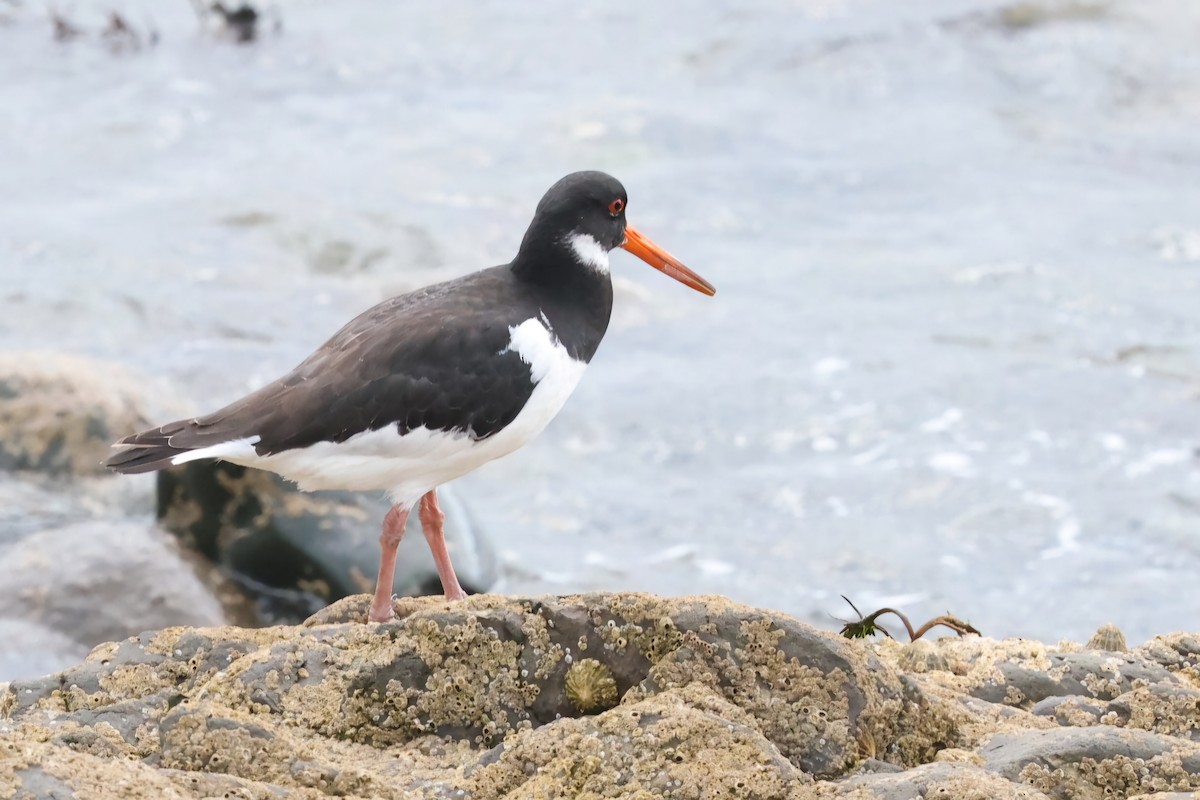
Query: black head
x=584, y=215
x=578, y=221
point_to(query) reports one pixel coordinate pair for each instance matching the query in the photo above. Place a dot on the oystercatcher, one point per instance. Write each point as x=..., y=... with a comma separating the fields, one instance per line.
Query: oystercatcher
x=425, y=387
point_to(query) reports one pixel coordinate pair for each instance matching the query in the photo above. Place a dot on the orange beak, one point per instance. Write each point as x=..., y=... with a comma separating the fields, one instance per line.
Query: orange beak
x=663, y=261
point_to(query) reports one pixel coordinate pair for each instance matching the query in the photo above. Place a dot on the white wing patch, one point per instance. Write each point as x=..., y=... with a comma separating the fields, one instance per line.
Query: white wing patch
x=229, y=451
x=589, y=252
x=408, y=466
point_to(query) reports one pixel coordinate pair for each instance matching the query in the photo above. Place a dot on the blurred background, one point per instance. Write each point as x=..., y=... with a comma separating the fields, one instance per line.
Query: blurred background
x=953, y=362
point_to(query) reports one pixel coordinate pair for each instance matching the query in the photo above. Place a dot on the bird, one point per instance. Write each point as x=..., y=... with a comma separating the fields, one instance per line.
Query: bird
x=427, y=386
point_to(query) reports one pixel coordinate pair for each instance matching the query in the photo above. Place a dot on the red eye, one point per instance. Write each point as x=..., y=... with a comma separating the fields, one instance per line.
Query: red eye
x=616, y=206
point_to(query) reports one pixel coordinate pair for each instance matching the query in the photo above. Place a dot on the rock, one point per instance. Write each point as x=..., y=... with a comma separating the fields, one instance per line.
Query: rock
x=1092, y=674
x=295, y=551
x=99, y=581
x=1095, y=762
x=1161, y=708
x=710, y=694
x=60, y=413
x=839, y=694
x=1021, y=673
x=1080, y=711
x=1178, y=653
x=683, y=742
x=596, y=695
x=950, y=780
x=33, y=781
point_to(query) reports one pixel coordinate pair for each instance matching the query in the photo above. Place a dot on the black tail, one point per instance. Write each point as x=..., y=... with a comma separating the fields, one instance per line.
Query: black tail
x=154, y=449
x=144, y=452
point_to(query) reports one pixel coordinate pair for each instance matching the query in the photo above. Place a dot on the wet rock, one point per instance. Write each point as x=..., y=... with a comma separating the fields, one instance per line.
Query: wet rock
x=101, y=580
x=295, y=551
x=59, y=413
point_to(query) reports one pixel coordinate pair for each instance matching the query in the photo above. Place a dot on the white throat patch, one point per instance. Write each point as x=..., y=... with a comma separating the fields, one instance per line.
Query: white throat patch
x=589, y=252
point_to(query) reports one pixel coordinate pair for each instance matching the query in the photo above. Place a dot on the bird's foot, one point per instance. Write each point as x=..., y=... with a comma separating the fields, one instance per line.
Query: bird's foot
x=381, y=611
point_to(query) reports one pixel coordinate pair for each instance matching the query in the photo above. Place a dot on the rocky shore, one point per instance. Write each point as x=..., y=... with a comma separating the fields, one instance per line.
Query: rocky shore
x=601, y=695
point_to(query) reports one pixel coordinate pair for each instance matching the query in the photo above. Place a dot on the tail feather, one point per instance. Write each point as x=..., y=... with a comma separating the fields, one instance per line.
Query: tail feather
x=229, y=432
x=144, y=452
x=176, y=443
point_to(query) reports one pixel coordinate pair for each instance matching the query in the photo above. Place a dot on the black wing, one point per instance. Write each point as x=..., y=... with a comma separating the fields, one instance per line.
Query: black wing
x=435, y=358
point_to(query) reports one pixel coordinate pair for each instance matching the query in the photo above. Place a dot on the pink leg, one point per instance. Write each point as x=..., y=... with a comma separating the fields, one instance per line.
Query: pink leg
x=432, y=520
x=389, y=540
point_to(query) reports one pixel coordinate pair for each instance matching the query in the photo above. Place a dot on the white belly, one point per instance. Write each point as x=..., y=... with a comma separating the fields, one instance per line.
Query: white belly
x=408, y=466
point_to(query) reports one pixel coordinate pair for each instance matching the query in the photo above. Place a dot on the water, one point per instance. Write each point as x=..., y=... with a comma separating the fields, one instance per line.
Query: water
x=954, y=358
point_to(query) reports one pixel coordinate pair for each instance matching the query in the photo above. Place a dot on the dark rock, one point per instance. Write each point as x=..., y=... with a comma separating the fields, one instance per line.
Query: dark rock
x=296, y=552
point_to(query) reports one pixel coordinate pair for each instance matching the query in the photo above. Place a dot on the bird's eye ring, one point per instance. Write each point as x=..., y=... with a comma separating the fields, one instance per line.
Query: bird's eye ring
x=616, y=206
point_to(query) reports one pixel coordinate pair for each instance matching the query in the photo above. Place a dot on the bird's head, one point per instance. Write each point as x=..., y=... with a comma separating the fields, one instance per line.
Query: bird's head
x=584, y=214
